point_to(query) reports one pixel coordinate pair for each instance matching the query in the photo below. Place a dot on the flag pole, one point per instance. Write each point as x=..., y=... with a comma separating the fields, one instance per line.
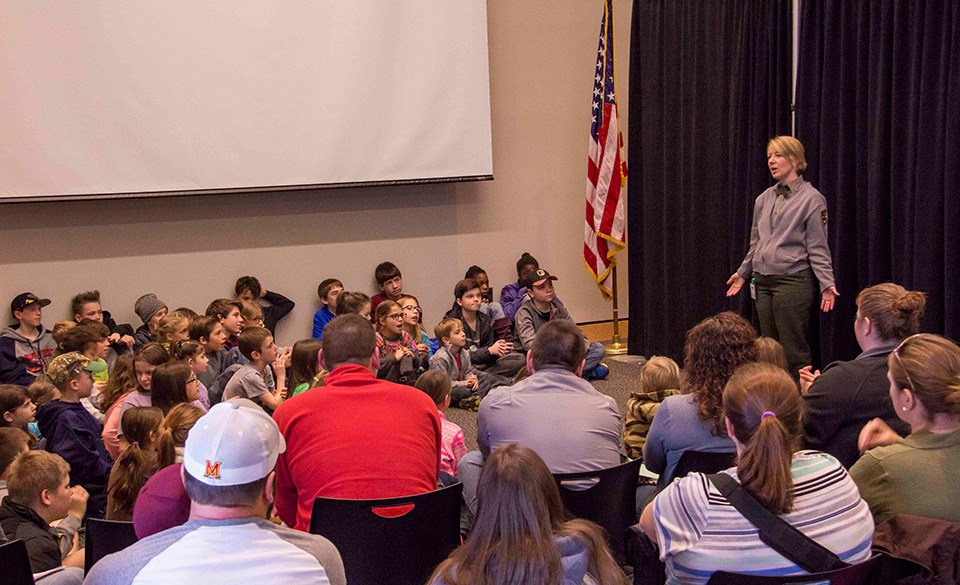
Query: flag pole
x=615, y=346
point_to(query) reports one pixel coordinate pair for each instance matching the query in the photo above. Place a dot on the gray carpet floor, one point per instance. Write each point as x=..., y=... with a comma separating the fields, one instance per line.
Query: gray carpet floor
x=623, y=379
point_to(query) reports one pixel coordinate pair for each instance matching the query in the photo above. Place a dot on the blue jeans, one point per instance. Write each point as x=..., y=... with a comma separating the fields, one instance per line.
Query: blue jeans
x=593, y=357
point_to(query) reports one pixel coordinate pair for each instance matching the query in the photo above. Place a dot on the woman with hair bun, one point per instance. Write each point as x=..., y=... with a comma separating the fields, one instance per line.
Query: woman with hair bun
x=520, y=536
x=918, y=474
x=699, y=532
x=848, y=394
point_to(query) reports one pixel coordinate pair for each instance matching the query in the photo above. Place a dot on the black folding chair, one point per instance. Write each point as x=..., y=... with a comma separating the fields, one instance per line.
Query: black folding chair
x=15, y=564
x=858, y=574
x=105, y=537
x=392, y=540
x=611, y=501
x=703, y=462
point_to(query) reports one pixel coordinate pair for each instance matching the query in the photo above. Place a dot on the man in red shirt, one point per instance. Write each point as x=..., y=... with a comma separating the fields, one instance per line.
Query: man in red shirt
x=356, y=437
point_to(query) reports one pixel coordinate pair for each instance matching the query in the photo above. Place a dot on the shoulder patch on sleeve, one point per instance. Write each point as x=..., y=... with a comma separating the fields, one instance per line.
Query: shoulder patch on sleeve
x=823, y=216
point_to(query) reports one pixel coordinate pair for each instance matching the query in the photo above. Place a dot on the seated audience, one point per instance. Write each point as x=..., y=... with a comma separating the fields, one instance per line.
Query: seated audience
x=123, y=381
x=437, y=386
x=230, y=315
x=541, y=307
x=332, y=449
x=400, y=359
x=699, y=532
x=228, y=472
x=570, y=425
x=72, y=432
x=248, y=289
x=305, y=370
x=390, y=282
x=328, y=291
x=513, y=294
x=521, y=534
x=490, y=350
x=25, y=347
x=848, y=394
x=714, y=348
x=501, y=323
x=770, y=351
x=249, y=381
x=163, y=502
x=150, y=309
x=138, y=460
x=918, y=474
x=172, y=328
x=86, y=305
x=174, y=383
x=413, y=325
x=251, y=315
x=39, y=494
x=89, y=338
x=659, y=378
x=147, y=359
x=470, y=385
x=209, y=333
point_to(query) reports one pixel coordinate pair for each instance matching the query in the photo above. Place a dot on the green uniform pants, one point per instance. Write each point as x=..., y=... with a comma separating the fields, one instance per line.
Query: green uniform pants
x=784, y=303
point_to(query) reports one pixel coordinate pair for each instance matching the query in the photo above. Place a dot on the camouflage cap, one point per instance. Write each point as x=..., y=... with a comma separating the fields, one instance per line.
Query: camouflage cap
x=66, y=366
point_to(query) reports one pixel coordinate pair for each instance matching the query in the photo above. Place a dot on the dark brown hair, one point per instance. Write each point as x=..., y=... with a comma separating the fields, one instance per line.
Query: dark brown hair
x=519, y=516
x=12, y=397
x=251, y=339
x=350, y=302
x=203, y=326
x=892, y=309
x=81, y=299
x=168, y=386
x=463, y=286
x=715, y=347
x=85, y=333
x=929, y=366
x=304, y=362
x=558, y=343
x=763, y=406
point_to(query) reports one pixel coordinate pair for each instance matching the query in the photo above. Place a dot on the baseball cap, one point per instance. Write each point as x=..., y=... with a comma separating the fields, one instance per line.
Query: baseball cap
x=235, y=443
x=23, y=300
x=536, y=277
x=65, y=366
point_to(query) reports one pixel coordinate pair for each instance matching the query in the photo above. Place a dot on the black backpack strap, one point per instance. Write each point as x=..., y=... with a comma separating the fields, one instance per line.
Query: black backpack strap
x=776, y=532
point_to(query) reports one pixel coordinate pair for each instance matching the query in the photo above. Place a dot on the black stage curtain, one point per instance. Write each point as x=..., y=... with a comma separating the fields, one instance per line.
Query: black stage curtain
x=878, y=111
x=709, y=86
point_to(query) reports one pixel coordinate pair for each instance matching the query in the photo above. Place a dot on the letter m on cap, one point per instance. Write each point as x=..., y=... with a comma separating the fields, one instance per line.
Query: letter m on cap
x=212, y=469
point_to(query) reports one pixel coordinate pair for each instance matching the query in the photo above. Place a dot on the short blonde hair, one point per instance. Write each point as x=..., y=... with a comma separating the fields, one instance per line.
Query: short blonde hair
x=445, y=328
x=791, y=148
x=32, y=472
x=660, y=373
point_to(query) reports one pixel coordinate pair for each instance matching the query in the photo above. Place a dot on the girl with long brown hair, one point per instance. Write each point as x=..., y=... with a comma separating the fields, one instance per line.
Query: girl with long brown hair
x=520, y=536
x=141, y=428
x=694, y=524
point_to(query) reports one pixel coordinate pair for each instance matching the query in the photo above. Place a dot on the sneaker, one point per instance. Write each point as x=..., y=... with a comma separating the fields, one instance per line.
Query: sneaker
x=598, y=373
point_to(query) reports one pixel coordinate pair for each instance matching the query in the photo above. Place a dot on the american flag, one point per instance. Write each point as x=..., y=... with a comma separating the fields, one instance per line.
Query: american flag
x=606, y=170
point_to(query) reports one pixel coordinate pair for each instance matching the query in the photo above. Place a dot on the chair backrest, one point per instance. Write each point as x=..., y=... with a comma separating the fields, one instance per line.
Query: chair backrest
x=15, y=564
x=105, y=537
x=611, y=501
x=393, y=540
x=860, y=573
x=703, y=462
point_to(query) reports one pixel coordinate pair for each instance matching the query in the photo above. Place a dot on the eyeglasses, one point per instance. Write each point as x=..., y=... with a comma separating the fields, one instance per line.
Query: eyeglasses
x=397, y=316
x=412, y=308
x=896, y=354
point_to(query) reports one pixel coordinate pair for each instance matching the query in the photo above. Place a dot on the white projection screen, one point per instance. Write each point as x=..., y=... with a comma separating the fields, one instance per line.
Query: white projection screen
x=122, y=98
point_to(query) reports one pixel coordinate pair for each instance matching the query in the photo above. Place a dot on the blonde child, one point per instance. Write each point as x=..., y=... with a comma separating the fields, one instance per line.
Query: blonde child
x=251, y=315
x=470, y=385
x=436, y=385
x=142, y=428
x=412, y=319
x=659, y=378
x=172, y=328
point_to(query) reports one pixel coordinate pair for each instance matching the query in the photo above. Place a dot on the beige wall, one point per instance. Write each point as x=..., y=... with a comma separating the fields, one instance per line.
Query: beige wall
x=190, y=250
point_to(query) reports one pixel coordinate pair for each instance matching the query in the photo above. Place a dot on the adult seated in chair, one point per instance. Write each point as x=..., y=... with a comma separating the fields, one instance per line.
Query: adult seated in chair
x=918, y=474
x=847, y=395
x=693, y=421
x=360, y=438
x=520, y=535
x=698, y=531
x=228, y=464
x=555, y=412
